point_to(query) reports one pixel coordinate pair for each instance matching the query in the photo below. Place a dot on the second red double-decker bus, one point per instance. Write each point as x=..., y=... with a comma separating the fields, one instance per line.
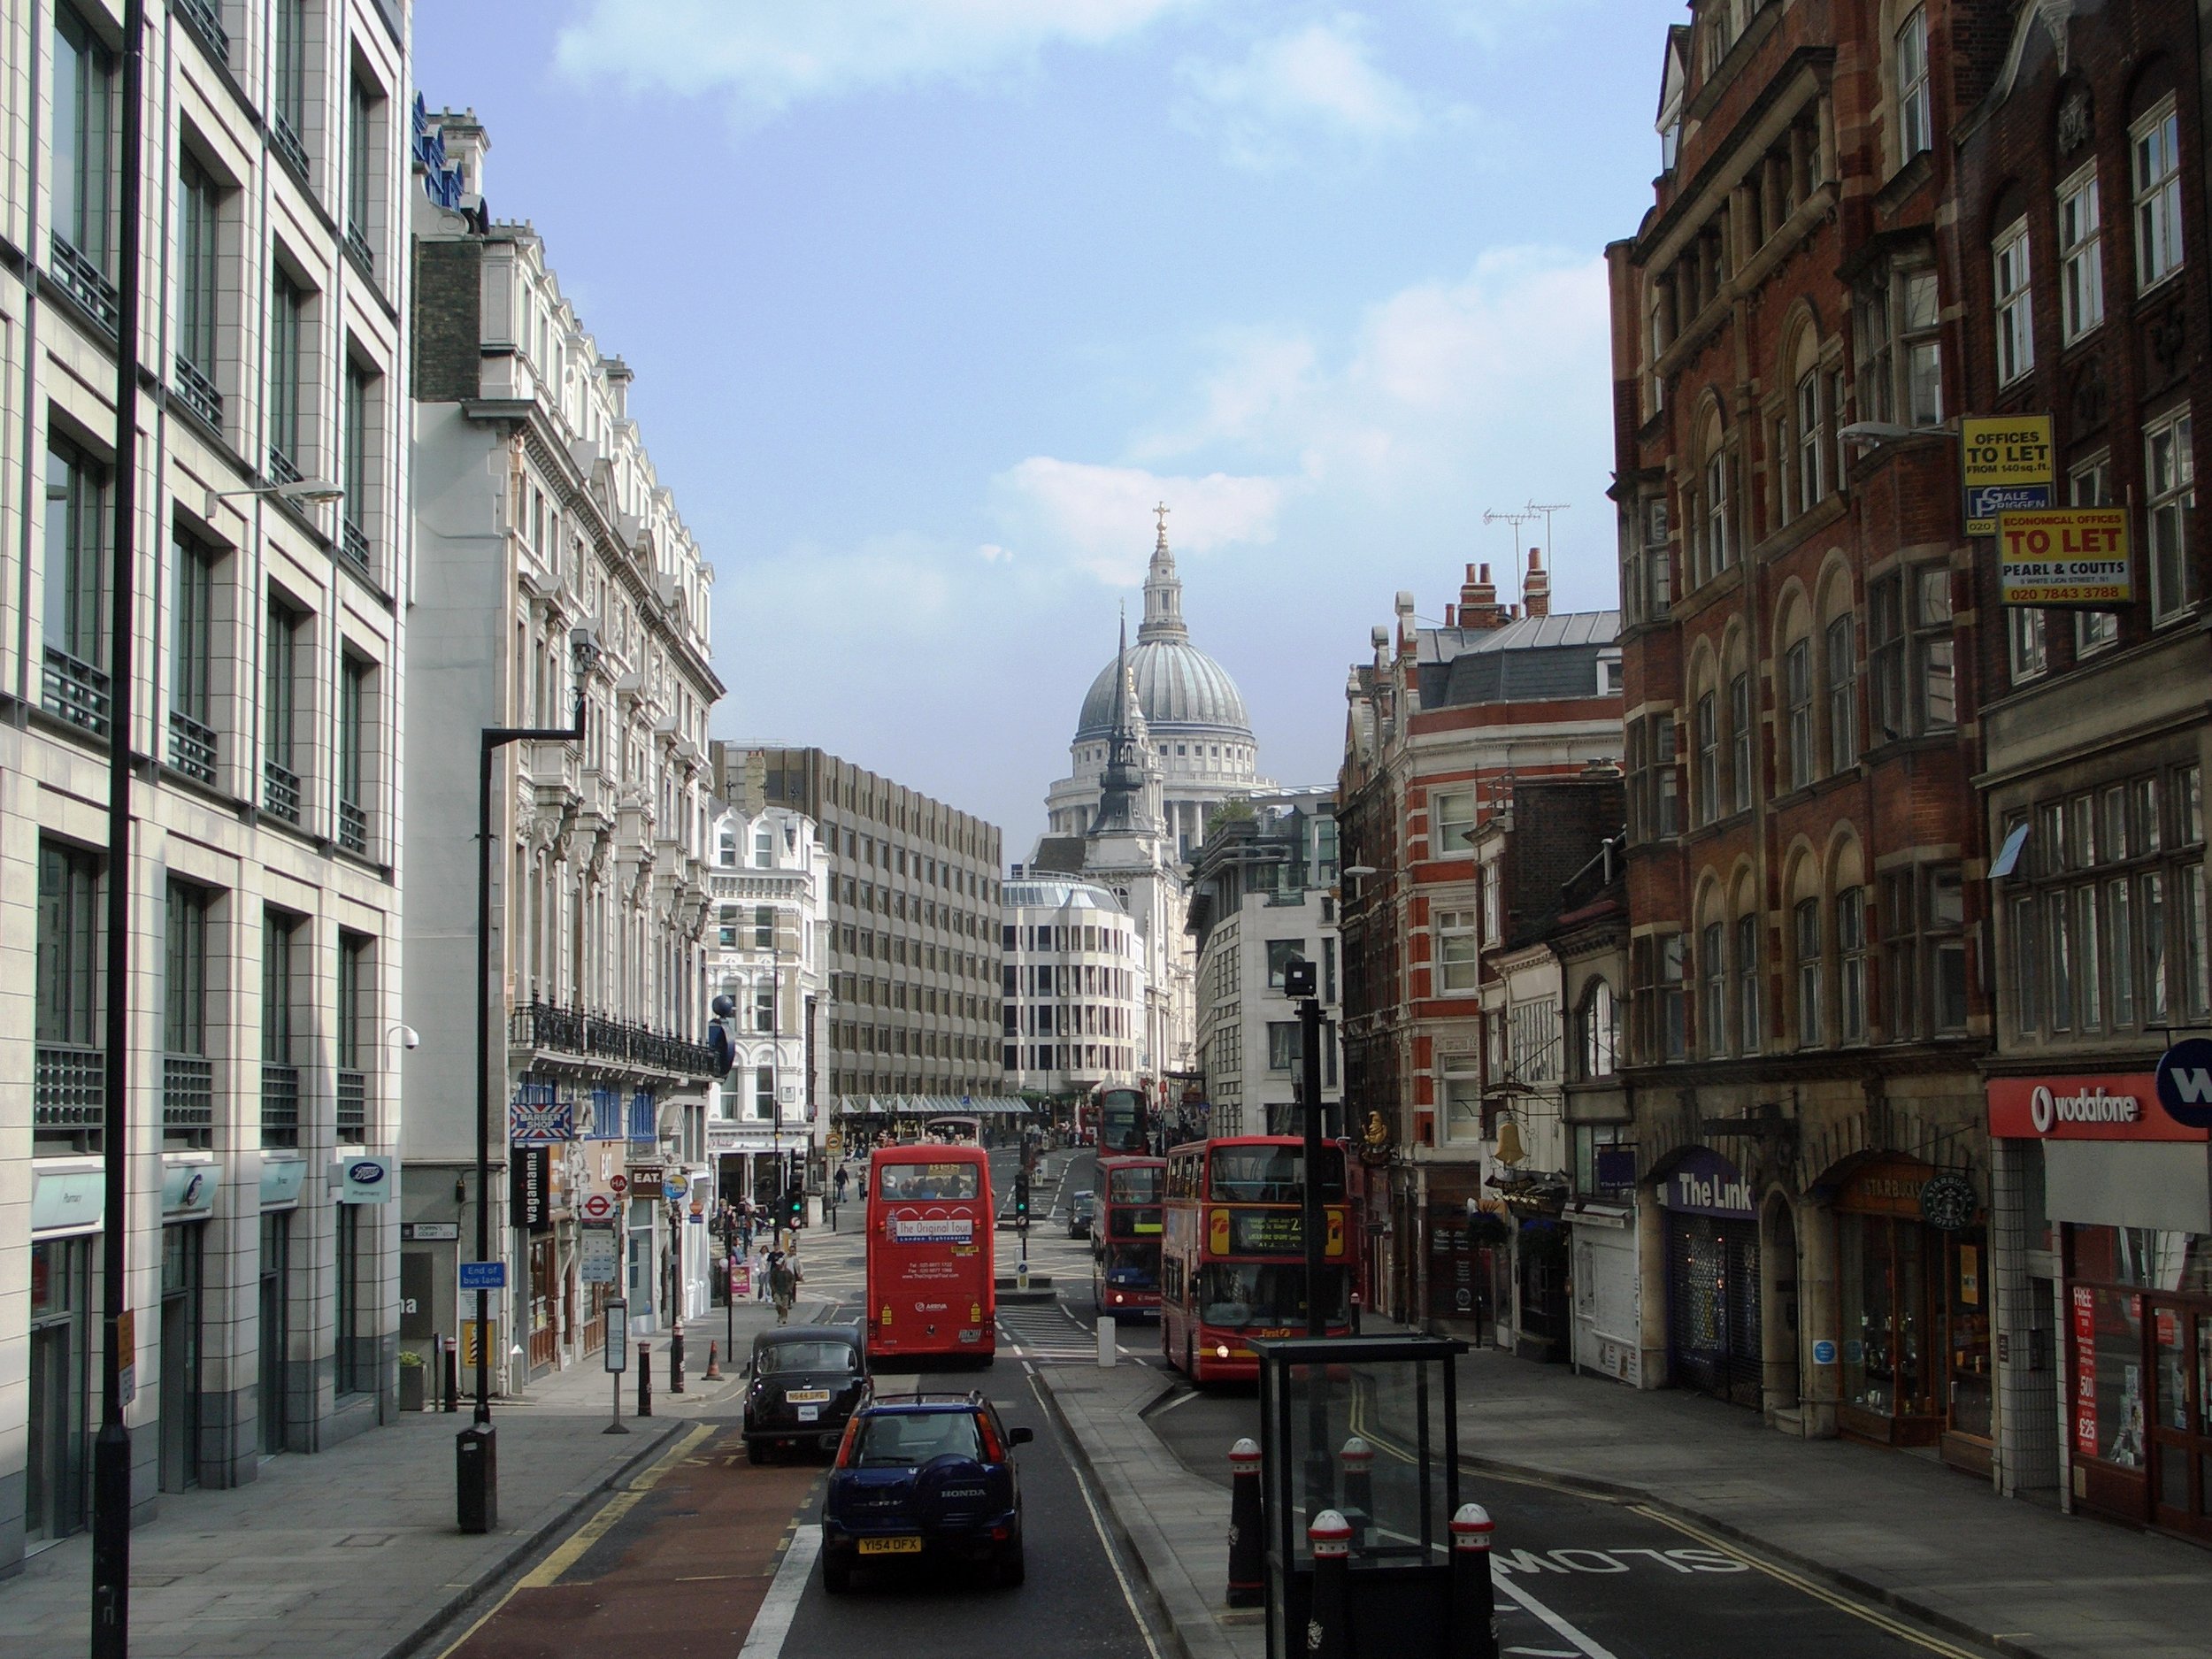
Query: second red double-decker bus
x=1125, y=1233
x=930, y=1256
x=1233, y=1254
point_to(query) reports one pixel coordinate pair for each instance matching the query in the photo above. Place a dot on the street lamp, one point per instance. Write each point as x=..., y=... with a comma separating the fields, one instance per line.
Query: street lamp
x=306, y=492
x=476, y=1447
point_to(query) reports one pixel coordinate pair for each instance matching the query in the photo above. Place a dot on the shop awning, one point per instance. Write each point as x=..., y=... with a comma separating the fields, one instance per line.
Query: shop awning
x=920, y=1106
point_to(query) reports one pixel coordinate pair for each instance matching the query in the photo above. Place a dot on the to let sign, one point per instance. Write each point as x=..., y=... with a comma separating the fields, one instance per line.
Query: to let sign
x=2005, y=464
x=2067, y=555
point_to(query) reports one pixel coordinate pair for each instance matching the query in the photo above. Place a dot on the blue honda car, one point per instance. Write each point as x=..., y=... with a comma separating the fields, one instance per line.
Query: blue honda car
x=927, y=1480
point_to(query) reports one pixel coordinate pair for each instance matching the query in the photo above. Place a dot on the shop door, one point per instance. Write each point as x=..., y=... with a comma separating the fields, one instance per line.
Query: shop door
x=2180, y=1416
x=545, y=1325
x=1713, y=1306
x=276, y=1327
x=180, y=1257
x=60, y=1356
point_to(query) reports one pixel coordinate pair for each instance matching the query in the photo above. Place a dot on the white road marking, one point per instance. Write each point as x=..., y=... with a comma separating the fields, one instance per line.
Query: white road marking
x=1179, y=1399
x=772, y=1622
x=1098, y=1525
x=1583, y=1644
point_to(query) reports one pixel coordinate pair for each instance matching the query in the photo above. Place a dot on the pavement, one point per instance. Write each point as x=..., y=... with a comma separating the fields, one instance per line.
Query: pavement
x=1894, y=1530
x=353, y=1553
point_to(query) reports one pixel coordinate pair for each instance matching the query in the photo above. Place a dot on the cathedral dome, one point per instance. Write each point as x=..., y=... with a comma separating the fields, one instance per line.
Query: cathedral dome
x=1178, y=686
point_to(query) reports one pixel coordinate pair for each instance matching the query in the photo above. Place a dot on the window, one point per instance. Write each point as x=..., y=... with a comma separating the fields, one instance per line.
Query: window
x=764, y=1004
x=1282, y=1045
x=1797, y=691
x=764, y=926
x=1922, y=349
x=1851, y=964
x=2155, y=152
x=68, y=972
x=1707, y=758
x=76, y=686
x=1451, y=823
x=764, y=846
x=2169, y=476
x=1280, y=953
x=2080, y=257
x=184, y=1001
x=1658, y=587
x=288, y=313
x=1910, y=651
x=1600, y=1031
x=1924, y=917
x=1749, y=1037
x=1843, y=694
x=360, y=166
x=1806, y=935
x=1458, y=950
x=356, y=1015
x=1462, y=1098
x=287, y=76
x=280, y=932
x=1811, y=440
x=279, y=707
x=1915, y=118
x=83, y=142
x=1718, y=552
x=1742, y=742
x=198, y=220
x=2016, y=313
x=358, y=482
x=1876, y=358
x=1673, y=970
x=2024, y=630
x=1713, y=970
x=1667, y=810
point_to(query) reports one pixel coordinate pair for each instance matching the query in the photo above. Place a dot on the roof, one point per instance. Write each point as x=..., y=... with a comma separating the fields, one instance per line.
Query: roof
x=1177, y=685
x=1536, y=659
x=1564, y=627
x=1057, y=896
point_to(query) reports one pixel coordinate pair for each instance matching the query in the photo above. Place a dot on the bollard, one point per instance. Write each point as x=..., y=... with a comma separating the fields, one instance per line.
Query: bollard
x=676, y=1359
x=1358, y=1458
x=1107, y=1350
x=1247, y=1545
x=1327, y=1634
x=645, y=1380
x=1474, y=1620
x=452, y=1375
x=713, y=1372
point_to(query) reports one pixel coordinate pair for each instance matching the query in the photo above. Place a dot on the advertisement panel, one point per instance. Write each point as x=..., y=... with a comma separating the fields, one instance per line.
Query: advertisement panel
x=2117, y=1106
x=2066, y=555
x=2005, y=464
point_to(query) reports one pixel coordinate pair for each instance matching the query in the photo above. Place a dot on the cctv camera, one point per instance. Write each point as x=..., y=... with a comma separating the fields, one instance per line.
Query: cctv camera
x=410, y=1038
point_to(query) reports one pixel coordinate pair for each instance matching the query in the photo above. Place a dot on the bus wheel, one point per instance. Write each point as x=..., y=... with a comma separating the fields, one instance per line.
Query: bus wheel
x=1190, y=1361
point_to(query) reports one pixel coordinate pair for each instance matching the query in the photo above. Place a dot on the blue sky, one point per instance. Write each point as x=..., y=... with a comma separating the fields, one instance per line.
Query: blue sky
x=930, y=300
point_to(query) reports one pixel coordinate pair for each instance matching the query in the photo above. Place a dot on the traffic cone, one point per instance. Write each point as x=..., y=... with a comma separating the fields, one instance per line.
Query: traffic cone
x=714, y=1363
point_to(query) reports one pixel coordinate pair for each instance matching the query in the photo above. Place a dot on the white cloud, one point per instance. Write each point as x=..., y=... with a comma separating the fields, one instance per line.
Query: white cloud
x=1316, y=83
x=770, y=54
x=1095, y=517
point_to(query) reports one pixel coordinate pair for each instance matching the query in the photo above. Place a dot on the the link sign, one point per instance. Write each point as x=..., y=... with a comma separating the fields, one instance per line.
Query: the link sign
x=2004, y=464
x=2064, y=556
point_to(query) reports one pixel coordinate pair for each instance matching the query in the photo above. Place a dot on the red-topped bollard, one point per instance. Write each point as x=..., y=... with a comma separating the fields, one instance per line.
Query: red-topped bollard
x=1247, y=1545
x=1474, y=1622
x=1358, y=1459
x=1327, y=1633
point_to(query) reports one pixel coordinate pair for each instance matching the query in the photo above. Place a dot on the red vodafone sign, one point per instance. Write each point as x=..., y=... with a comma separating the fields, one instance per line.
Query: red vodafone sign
x=2116, y=1106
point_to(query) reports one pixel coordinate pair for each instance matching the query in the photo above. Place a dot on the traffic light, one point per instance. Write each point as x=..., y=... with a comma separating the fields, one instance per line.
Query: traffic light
x=795, y=1207
x=1021, y=1197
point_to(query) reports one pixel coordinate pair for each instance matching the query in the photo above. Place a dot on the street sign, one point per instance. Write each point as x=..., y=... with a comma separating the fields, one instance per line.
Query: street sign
x=597, y=1254
x=126, y=1351
x=674, y=1188
x=429, y=1232
x=365, y=1181
x=617, y=1356
x=483, y=1276
x=2064, y=556
x=597, y=1207
x=618, y=1184
x=2005, y=464
x=1823, y=1352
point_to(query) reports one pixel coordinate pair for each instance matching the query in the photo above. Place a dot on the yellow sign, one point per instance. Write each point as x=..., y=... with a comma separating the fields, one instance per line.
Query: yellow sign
x=1332, y=1244
x=2067, y=555
x=2004, y=464
x=1218, y=1232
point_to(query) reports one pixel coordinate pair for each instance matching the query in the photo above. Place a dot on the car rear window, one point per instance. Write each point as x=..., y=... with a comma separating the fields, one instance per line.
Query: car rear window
x=789, y=1356
x=894, y=1439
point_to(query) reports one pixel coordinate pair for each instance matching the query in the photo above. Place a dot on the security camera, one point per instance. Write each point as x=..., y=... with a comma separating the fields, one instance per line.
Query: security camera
x=409, y=1037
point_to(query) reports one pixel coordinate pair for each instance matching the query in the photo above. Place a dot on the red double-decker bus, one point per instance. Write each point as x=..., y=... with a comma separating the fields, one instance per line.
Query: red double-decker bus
x=1233, y=1253
x=930, y=1256
x=1125, y=1233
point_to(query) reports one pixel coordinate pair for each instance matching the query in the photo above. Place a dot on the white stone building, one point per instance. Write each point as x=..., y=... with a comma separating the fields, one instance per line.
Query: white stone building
x=539, y=522
x=1074, y=988
x=264, y=875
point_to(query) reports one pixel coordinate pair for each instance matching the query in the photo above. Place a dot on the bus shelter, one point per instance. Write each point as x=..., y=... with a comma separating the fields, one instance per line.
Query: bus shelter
x=1368, y=1427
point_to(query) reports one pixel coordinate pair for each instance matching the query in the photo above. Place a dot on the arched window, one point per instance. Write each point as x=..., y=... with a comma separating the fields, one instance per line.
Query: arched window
x=1795, y=691
x=1839, y=669
x=1750, y=1037
x=1712, y=972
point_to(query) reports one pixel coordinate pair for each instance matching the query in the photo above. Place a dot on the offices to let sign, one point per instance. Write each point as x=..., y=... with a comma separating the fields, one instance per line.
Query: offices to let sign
x=2005, y=464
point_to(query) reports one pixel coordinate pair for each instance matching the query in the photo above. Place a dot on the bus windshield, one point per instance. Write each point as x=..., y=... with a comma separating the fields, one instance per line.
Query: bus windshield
x=906, y=1183
x=1134, y=1187
x=1270, y=1174
x=1239, y=1295
x=1121, y=1126
x=1136, y=1221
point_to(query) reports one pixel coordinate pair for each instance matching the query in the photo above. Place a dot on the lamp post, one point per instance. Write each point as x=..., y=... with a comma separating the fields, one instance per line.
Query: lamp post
x=476, y=1447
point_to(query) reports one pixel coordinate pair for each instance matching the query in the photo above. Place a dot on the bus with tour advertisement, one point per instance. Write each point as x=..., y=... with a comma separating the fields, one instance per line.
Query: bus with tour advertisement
x=1233, y=1252
x=1125, y=1236
x=930, y=1253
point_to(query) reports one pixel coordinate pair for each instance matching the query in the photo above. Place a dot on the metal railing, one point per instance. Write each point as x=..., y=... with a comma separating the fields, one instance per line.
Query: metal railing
x=197, y=393
x=86, y=283
x=353, y=546
x=75, y=691
x=206, y=22
x=191, y=746
x=280, y=791
x=280, y=1105
x=287, y=144
x=353, y=828
x=188, y=1100
x=280, y=466
x=353, y=1108
x=357, y=246
x=69, y=1093
x=537, y=1024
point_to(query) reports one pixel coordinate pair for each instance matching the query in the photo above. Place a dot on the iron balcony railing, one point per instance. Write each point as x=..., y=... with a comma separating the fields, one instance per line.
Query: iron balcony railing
x=280, y=1105
x=197, y=393
x=280, y=466
x=538, y=1025
x=287, y=144
x=86, y=283
x=353, y=546
x=205, y=19
x=188, y=1100
x=353, y=1108
x=353, y=828
x=68, y=1097
x=357, y=246
x=75, y=691
x=280, y=791
x=191, y=746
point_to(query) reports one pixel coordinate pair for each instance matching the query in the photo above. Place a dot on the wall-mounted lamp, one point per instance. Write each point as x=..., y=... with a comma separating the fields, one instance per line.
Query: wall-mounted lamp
x=306, y=492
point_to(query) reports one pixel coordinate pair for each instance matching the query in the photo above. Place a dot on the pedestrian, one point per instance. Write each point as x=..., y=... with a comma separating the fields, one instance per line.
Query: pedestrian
x=842, y=1176
x=783, y=1284
x=761, y=1258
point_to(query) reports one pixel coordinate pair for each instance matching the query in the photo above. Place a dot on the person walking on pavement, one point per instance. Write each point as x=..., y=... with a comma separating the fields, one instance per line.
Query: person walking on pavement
x=763, y=1252
x=783, y=1284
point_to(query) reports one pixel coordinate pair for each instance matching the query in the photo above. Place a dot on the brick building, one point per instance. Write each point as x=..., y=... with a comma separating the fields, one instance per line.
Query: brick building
x=1803, y=866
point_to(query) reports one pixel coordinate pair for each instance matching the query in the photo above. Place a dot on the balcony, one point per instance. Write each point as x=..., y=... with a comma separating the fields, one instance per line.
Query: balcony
x=353, y=546
x=196, y=392
x=280, y=467
x=75, y=691
x=353, y=1109
x=280, y=1105
x=570, y=1031
x=353, y=829
x=357, y=249
x=68, y=1097
x=205, y=20
x=287, y=144
x=188, y=1101
x=191, y=746
x=280, y=791
x=85, y=282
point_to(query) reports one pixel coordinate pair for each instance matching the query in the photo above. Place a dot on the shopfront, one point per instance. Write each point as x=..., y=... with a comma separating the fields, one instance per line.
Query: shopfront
x=1712, y=1244
x=2124, y=1200
x=62, y=1321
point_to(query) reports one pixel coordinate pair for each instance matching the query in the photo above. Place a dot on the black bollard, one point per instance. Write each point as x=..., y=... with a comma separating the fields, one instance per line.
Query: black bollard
x=452, y=1375
x=1248, y=1541
x=1474, y=1621
x=1327, y=1635
x=1358, y=1458
x=676, y=1360
x=645, y=1380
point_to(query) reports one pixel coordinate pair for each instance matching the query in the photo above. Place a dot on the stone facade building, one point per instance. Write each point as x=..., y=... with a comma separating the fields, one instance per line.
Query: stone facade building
x=1073, y=987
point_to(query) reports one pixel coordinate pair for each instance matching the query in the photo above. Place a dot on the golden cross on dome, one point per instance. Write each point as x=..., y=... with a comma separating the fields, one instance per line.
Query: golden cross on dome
x=1161, y=513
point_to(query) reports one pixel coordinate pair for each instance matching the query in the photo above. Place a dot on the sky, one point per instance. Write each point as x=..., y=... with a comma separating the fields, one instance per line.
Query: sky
x=930, y=300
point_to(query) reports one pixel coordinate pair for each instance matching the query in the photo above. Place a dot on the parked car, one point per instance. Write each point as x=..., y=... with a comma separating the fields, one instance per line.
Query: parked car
x=1081, y=1207
x=927, y=1480
x=804, y=1383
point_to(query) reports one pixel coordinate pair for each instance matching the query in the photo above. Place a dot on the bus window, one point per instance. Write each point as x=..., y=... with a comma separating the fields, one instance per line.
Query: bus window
x=910, y=1183
x=1133, y=1187
x=1240, y=1295
x=1270, y=1174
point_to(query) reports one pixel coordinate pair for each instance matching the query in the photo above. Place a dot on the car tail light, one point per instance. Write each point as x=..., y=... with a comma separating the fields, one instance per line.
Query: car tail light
x=1000, y=1534
x=845, y=1444
x=993, y=1452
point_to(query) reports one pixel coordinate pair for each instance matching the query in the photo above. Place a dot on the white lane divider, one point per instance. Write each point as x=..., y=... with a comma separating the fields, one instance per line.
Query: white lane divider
x=1584, y=1645
x=772, y=1622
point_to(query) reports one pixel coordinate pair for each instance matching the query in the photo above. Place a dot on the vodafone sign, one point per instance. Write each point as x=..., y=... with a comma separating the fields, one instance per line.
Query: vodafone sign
x=2114, y=1107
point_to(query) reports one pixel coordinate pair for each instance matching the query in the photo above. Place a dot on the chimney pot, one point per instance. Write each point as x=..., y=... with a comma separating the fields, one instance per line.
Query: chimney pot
x=1536, y=559
x=1451, y=616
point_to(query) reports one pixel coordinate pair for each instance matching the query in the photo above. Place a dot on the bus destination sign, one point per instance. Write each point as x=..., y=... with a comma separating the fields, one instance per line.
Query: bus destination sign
x=930, y=1229
x=1241, y=1232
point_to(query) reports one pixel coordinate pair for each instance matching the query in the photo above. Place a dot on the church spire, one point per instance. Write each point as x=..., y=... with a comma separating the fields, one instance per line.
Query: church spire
x=1121, y=786
x=1162, y=591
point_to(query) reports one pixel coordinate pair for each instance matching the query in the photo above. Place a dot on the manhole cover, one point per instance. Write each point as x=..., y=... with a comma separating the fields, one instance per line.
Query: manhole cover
x=366, y=1540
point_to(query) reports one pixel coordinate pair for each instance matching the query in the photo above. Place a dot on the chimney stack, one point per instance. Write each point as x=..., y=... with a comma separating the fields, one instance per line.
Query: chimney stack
x=1478, y=607
x=1451, y=616
x=1536, y=586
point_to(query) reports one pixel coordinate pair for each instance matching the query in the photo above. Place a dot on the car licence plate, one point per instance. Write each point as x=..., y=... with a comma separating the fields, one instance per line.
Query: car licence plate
x=810, y=1413
x=890, y=1545
x=808, y=1396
